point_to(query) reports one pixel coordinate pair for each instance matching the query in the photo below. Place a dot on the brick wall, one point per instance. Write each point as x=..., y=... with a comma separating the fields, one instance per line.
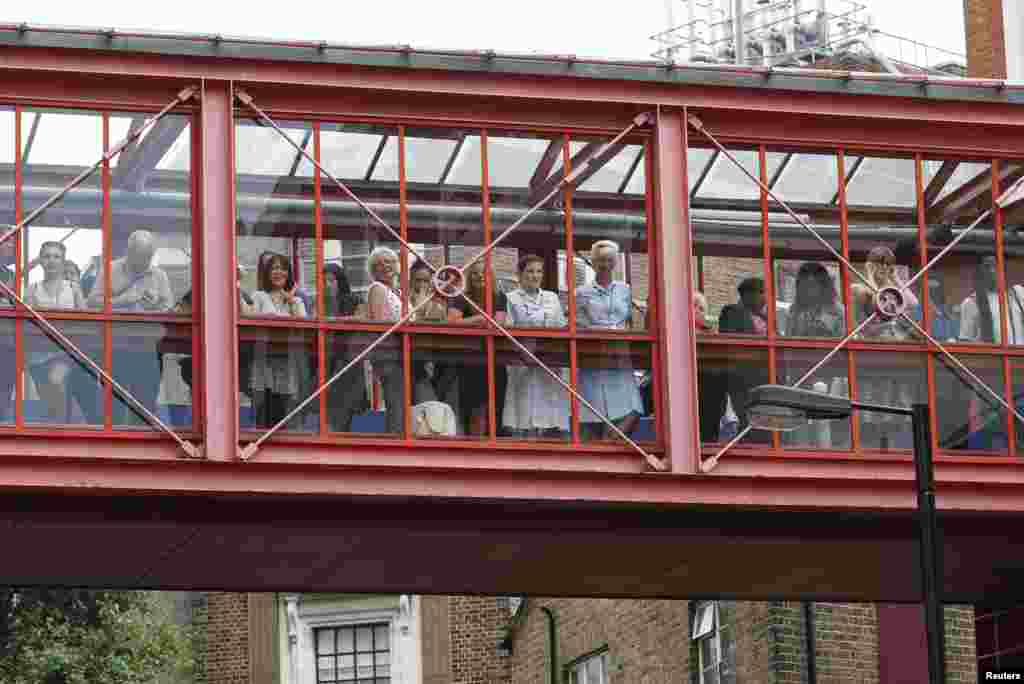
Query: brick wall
x=961, y=647
x=227, y=639
x=476, y=624
x=986, y=45
x=846, y=643
x=647, y=641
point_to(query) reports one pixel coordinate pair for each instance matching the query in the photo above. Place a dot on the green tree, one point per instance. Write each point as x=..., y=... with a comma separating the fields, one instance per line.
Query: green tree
x=67, y=636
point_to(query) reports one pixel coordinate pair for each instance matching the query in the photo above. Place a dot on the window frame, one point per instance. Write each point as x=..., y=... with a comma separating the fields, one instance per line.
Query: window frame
x=573, y=668
x=108, y=321
x=650, y=337
x=336, y=629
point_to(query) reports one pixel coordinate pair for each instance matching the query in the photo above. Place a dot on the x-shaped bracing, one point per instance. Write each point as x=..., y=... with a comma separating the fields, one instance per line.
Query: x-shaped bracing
x=887, y=299
x=448, y=280
x=190, y=449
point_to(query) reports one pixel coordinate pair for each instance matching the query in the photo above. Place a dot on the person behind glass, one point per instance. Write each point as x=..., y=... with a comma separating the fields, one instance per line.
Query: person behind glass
x=50, y=370
x=473, y=372
x=275, y=374
x=137, y=285
x=816, y=309
x=72, y=273
x=880, y=271
x=535, y=405
x=748, y=316
x=432, y=381
x=384, y=304
x=8, y=371
x=607, y=304
x=347, y=395
x=980, y=318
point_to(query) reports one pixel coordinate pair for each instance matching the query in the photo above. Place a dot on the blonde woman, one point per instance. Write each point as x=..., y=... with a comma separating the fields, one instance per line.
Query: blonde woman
x=384, y=304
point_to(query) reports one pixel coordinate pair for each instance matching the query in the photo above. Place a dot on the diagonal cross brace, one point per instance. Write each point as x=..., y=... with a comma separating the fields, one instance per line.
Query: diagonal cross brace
x=190, y=449
x=644, y=119
x=1011, y=195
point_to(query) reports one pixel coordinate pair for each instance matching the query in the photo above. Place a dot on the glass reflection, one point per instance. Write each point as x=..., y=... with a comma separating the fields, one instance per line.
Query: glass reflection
x=890, y=380
x=59, y=388
x=968, y=416
x=832, y=378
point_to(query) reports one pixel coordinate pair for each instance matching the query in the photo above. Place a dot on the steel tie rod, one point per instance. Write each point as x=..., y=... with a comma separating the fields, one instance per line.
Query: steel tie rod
x=642, y=119
x=190, y=449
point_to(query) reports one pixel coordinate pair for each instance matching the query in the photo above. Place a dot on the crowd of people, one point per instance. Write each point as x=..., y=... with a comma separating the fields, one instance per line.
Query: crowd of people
x=817, y=311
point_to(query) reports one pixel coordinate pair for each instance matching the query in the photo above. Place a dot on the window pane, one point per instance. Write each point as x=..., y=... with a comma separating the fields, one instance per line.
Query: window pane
x=325, y=641
x=7, y=157
x=536, y=406
x=968, y=416
x=807, y=177
x=364, y=639
x=725, y=180
x=325, y=670
x=152, y=361
x=889, y=379
x=612, y=282
x=733, y=295
x=883, y=237
x=151, y=217
x=882, y=182
x=725, y=376
x=1017, y=378
x=56, y=146
x=522, y=170
x=832, y=378
x=364, y=665
x=1013, y=256
x=346, y=644
x=615, y=378
x=962, y=286
x=275, y=227
x=277, y=370
x=350, y=233
x=349, y=398
x=60, y=389
x=8, y=370
x=449, y=376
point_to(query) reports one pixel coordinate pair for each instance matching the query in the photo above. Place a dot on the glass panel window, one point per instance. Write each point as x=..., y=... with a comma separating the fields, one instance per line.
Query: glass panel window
x=615, y=378
x=884, y=247
x=592, y=669
x=56, y=146
x=8, y=153
x=969, y=418
x=8, y=370
x=275, y=243
x=713, y=628
x=449, y=381
x=889, y=379
x=725, y=376
x=58, y=387
x=832, y=378
x=277, y=370
x=151, y=218
x=536, y=406
x=153, y=361
x=352, y=653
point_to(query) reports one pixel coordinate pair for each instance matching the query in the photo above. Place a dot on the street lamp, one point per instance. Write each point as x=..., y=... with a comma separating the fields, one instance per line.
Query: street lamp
x=781, y=409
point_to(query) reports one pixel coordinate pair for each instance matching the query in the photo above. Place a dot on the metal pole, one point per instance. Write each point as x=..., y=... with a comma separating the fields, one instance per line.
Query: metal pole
x=931, y=549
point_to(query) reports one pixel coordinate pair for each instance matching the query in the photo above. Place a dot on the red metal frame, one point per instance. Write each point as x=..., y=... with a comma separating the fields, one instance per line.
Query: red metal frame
x=324, y=92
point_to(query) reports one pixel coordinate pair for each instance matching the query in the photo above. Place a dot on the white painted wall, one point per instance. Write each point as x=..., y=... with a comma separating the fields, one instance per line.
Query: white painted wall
x=1013, y=29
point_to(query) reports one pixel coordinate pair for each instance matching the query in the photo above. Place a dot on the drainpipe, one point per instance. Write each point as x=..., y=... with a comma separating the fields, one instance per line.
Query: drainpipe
x=809, y=629
x=552, y=645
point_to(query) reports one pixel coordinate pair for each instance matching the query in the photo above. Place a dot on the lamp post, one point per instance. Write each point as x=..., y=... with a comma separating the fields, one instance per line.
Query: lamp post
x=781, y=409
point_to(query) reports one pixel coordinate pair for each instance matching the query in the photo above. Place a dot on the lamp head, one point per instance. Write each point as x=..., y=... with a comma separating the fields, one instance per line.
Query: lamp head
x=782, y=409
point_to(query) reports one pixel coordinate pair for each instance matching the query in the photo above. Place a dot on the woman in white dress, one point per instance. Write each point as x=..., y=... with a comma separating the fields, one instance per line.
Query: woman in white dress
x=275, y=374
x=607, y=304
x=535, y=405
x=384, y=304
x=50, y=369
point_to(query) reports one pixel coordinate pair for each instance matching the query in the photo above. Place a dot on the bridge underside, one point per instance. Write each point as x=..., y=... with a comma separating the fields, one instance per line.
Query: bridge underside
x=484, y=547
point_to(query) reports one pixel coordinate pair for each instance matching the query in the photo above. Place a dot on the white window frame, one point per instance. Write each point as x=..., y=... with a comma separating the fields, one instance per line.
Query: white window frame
x=707, y=626
x=578, y=670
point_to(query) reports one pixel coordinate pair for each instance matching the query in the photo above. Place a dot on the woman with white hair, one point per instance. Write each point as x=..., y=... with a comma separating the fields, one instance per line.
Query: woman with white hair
x=384, y=303
x=607, y=304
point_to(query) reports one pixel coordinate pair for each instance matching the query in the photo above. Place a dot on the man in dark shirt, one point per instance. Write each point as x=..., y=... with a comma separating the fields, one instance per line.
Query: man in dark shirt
x=746, y=317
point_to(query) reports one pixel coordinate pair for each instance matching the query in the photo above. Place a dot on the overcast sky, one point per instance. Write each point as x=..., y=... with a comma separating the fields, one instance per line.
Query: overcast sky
x=583, y=27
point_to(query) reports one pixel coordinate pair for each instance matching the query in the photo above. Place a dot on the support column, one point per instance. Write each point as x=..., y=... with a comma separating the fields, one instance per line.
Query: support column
x=216, y=278
x=675, y=312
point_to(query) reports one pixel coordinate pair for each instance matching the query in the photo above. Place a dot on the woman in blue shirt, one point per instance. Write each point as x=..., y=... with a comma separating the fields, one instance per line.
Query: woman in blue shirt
x=607, y=304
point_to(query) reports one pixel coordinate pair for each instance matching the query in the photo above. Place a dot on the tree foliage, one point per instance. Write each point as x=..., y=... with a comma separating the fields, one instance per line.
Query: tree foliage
x=67, y=636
